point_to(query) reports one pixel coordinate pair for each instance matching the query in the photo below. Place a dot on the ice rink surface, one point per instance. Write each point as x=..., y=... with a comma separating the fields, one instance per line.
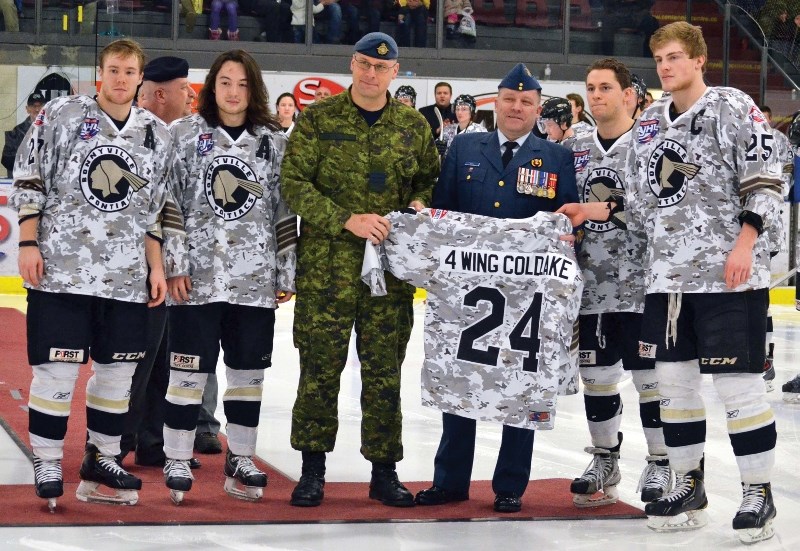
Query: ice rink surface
x=557, y=454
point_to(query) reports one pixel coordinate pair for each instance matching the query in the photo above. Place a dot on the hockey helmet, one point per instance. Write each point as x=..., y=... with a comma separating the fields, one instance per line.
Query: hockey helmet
x=794, y=129
x=406, y=91
x=466, y=99
x=558, y=110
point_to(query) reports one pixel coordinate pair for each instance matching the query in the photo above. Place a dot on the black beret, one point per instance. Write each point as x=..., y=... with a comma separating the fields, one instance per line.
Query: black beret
x=163, y=69
x=377, y=45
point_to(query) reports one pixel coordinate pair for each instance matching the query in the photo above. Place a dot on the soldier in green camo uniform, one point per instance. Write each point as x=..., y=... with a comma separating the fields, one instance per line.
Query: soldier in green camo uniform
x=350, y=160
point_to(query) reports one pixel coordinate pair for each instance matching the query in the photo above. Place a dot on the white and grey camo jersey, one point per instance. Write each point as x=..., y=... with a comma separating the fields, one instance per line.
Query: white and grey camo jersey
x=777, y=236
x=451, y=131
x=503, y=295
x=611, y=257
x=240, y=237
x=695, y=175
x=99, y=190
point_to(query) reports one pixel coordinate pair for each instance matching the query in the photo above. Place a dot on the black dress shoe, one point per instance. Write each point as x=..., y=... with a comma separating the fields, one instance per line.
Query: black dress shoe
x=207, y=442
x=194, y=463
x=439, y=496
x=386, y=488
x=506, y=502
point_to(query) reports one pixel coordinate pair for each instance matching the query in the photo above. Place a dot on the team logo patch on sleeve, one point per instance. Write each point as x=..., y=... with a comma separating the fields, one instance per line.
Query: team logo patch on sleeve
x=40, y=118
x=647, y=130
x=89, y=128
x=438, y=214
x=205, y=143
x=581, y=159
x=539, y=416
x=756, y=115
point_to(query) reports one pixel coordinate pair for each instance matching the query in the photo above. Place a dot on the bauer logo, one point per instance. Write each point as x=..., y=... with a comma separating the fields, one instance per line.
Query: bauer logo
x=587, y=357
x=66, y=355
x=184, y=361
x=647, y=350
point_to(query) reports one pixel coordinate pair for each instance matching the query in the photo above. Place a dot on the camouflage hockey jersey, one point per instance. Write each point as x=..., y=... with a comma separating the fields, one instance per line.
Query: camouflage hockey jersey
x=451, y=131
x=694, y=176
x=503, y=295
x=239, y=240
x=611, y=255
x=777, y=236
x=99, y=190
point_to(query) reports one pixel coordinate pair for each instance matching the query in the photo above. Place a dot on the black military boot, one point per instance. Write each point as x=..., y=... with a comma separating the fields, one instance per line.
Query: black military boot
x=309, y=490
x=386, y=488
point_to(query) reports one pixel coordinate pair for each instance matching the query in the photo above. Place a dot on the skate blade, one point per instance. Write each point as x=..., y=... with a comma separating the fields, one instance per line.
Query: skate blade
x=770, y=385
x=755, y=535
x=691, y=520
x=791, y=397
x=51, y=504
x=607, y=496
x=176, y=496
x=249, y=493
x=89, y=492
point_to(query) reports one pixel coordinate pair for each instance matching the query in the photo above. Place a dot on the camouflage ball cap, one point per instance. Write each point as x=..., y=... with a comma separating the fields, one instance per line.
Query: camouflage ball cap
x=520, y=78
x=377, y=45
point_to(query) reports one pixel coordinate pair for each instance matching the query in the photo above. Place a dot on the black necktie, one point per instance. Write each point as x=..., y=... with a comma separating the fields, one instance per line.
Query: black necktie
x=508, y=154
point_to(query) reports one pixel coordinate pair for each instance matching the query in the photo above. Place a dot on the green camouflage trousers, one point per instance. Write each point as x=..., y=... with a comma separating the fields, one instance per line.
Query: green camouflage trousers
x=322, y=327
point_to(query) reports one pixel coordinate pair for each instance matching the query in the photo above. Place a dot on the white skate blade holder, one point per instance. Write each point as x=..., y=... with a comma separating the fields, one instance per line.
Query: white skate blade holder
x=690, y=520
x=247, y=493
x=88, y=492
x=176, y=496
x=755, y=535
x=51, y=504
x=607, y=496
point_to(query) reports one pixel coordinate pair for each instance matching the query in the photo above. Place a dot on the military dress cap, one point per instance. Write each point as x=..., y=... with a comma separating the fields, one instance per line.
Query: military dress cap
x=520, y=78
x=377, y=45
x=36, y=97
x=163, y=69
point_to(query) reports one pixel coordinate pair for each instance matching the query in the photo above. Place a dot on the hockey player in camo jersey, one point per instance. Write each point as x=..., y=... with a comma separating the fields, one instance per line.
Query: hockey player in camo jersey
x=611, y=258
x=503, y=295
x=709, y=184
x=230, y=271
x=89, y=185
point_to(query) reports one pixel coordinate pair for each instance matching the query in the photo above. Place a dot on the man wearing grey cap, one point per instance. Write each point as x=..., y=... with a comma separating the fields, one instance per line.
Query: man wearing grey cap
x=14, y=136
x=351, y=159
x=496, y=163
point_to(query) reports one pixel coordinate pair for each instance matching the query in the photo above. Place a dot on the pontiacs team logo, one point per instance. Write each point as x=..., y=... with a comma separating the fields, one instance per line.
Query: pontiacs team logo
x=109, y=179
x=231, y=187
x=603, y=185
x=668, y=173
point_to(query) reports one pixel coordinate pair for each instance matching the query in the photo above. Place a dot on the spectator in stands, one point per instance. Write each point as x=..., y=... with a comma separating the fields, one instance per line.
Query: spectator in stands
x=627, y=14
x=10, y=17
x=186, y=10
x=332, y=13
x=440, y=114
x=214, y=30
x=275, y=17
x=350, y=16
x=580, y=121
x=372, y=10
x=452, y=12
x=412, y=14
x=15, y=136
x=780, y=21
x=286, y=107
x=299, y=18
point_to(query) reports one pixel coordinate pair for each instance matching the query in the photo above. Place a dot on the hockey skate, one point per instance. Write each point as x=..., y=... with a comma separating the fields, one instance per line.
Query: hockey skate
x=791, y=391
x=769, y=374
x=240, y=471
x=657, y=478
x=681, y=509
x=753, y=520
x=178, y=477
x=598, y=484
x=103, y=470
x=48, y=480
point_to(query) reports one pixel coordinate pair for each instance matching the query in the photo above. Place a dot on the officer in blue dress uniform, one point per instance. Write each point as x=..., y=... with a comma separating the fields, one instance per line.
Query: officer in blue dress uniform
x=508, y=173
